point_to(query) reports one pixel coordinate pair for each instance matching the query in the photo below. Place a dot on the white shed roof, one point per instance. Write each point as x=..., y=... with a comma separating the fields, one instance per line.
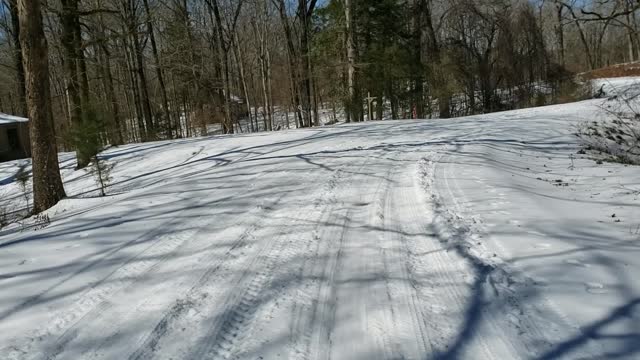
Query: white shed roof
x=10, y=119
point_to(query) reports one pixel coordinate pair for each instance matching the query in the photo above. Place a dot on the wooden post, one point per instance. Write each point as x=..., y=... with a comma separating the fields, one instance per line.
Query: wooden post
x=369, y=101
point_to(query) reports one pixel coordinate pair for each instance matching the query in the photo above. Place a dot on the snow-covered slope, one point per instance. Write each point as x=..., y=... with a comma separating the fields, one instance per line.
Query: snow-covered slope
x=484, y=237
x=617, y=86
x=7, y=119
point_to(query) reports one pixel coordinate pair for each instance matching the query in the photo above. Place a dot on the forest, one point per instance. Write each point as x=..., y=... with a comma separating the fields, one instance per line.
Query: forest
x=124, y=71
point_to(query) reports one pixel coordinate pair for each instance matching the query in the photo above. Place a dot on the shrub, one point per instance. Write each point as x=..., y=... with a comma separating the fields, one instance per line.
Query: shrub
x=101, y=171
x=617, y=133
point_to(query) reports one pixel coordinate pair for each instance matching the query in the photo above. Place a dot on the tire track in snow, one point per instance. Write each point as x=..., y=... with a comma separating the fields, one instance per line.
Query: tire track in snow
x=239, y=316
x=241, y=307
x=110, y=328
x=492, y=287
x=300, y=331
x=400, y=283
x=182, y=307
x=239, y=310
x=498, y=284
x=457, y=310
x=435, y=269
x=235, y=330
x=314, y=309
x=324, y=310
x=289, y=297
x=100, y=290
x=381, y=314
x=164, y=242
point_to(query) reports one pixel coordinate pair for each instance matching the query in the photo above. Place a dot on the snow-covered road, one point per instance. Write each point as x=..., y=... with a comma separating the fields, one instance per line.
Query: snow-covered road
x=476, y=238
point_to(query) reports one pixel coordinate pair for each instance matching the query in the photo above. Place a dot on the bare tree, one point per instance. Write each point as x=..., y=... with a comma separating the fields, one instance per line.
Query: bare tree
x=22, y=105
x=47, y=184
x=354, y=107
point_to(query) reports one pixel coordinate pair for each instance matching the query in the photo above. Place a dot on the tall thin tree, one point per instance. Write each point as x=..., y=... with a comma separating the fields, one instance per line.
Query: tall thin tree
x=13, y=9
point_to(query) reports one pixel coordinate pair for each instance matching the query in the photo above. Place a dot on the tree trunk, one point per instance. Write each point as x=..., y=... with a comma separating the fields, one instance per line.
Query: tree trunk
x=82, y=67
x=417, y=58
x=144, y=91
x=485, y=85
x=269, y=87
x=159, y=74
x=316, y=98
x=69, y=44
x=116, y=137
x=353, y=102
x=560, y=32
x=267, y=66
x=122, y=72
x=305, y=61
x=128, y=50
x=263, y=54
x=583, y=38
x=633, y=52
x=15, y=23
x=176, y=105
x=47, y=184
x=291, y=57
x=393, y=102
x=149, y=133
x=243, y=78
x=104, y=63
x=86, y=139
x=438, y=74
x=223, y=53
x=634, y=34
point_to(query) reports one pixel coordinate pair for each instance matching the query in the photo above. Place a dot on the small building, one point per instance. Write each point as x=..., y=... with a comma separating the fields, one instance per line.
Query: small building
x=14, y=138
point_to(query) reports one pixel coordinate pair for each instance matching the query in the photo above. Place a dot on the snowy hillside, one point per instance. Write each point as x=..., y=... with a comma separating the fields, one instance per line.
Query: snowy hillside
x=7, y=119
x=485, y=237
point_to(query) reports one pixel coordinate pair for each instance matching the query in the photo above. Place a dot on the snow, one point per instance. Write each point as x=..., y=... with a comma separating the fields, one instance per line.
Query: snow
x=617, y=86
x=485, y=237
x=9, y=119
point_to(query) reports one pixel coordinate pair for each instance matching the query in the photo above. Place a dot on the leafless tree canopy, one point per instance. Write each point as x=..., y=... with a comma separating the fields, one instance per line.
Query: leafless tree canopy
x=126, y=71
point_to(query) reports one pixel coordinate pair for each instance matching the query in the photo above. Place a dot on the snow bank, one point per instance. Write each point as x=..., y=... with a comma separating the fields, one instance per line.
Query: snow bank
x=8, y=119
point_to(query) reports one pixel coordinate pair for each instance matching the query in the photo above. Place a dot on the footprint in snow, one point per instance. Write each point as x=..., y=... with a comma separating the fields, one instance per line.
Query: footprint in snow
x=540, y=281
x=596, y=288
x=576, y=263
x=540, y=245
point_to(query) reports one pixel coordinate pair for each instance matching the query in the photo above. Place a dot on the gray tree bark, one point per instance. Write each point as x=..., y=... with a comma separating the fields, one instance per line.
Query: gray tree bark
x=353, y=101
x=47, y=184
x=15, y=23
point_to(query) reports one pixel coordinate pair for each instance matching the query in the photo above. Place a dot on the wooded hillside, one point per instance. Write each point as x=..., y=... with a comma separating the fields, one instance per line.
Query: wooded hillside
x=136, y=70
